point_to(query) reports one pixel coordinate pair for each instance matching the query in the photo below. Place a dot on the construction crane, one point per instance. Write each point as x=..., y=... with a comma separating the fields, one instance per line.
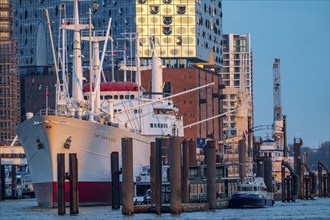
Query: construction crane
x=279, y=120
x=277, y=91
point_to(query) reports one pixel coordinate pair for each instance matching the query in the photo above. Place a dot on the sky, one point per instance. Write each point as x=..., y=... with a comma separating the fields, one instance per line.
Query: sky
x=297, y=32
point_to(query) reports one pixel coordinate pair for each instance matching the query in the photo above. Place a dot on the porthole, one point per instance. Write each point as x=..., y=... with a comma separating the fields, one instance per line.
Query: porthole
x=154, y=9
x=181, y=9
x=167, y=30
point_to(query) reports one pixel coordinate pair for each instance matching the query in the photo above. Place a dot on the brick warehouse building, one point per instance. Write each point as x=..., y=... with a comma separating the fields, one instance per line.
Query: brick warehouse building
x=197, y=105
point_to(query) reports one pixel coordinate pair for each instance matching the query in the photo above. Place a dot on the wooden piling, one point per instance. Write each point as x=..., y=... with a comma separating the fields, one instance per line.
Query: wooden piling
x=242, y=158
x=175, y=173
x=73, y=170
x=158, y=176
x=2, y=182
x=260, y=167
x=192, y=152
x=152, y=171
x=298, y=165
x=211, y=174
x=115, y=172
x=13, y=182
x=319, y=174
x=268, y=174
x=185, y=172
x=61, y=184
x=283, y=185
x=128, y=187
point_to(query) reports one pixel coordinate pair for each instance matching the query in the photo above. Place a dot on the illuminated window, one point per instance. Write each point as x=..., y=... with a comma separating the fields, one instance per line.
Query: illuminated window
x=167, y=30
x=179, y=40
x=181, y=9
x=167, y=19
x=154, y=9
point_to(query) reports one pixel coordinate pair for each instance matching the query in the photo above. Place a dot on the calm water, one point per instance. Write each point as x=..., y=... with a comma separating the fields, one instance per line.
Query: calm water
x=301, y=209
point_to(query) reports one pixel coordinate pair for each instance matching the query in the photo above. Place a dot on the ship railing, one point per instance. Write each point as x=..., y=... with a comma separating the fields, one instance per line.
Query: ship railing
x=96, y=33
x=69, y=21
x=46, y=112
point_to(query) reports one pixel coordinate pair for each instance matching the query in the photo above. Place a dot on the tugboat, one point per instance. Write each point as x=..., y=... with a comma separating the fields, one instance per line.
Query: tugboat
x=252, y=194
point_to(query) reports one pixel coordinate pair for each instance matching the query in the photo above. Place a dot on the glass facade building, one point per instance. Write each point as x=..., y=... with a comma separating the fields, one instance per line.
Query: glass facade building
x=185, y=31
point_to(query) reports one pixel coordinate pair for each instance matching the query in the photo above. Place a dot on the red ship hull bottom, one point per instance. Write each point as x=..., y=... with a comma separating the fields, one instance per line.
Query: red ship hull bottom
x=89, y=193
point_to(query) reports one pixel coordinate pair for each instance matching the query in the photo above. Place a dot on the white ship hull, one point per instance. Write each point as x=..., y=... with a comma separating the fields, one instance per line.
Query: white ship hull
x=93, y=144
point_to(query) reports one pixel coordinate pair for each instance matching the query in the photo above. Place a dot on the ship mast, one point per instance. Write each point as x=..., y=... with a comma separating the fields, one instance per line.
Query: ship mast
x=157, y=73
x=77, y=63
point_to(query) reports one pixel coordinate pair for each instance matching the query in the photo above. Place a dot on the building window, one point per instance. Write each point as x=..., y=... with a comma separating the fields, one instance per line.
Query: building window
x=141, y=1
x=121, y=11
x=167, y=1
x=236, y=83
x=236, y=76
x=167, y=19
x=181, y=9
x=154, y=9
x=167, y=30
x=179, y=40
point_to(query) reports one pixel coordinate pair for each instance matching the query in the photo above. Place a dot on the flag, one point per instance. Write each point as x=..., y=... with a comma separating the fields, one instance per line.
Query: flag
x=125, y=46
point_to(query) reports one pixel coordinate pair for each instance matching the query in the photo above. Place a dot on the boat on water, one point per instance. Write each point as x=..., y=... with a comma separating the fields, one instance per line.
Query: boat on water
x=92, y=121
x=252, y=193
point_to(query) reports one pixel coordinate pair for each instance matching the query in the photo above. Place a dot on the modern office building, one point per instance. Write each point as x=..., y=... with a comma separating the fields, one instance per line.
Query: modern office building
x=185, y=32
x=9, y=81
x=237, y=74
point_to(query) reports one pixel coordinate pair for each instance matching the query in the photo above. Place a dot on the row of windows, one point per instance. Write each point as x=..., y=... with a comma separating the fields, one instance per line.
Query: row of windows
x=164, y=1
x=13, y=156
x=158, y=125
x=106, y=97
